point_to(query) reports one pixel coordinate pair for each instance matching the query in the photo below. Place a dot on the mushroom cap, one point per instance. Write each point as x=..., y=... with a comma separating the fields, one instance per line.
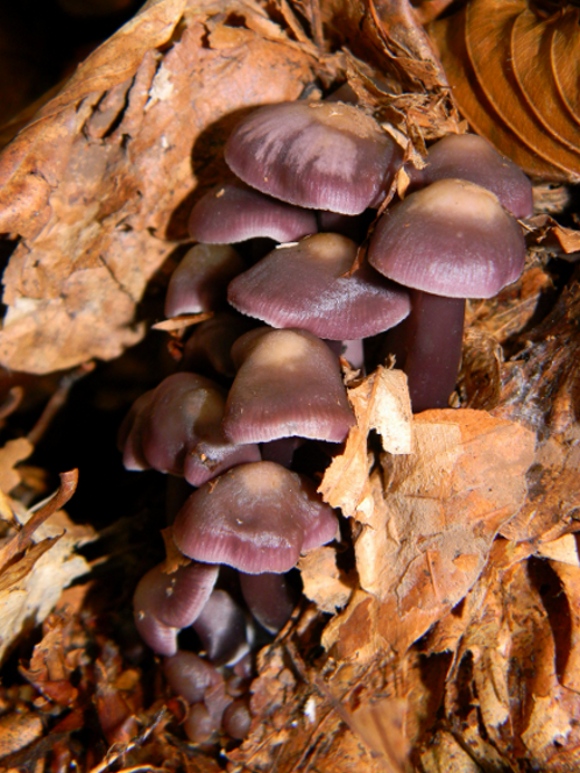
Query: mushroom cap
x=289, y=383
x=317, y=155
x=256, y=518
x=221, y=627
x=165, y=603
x=306, y=286
x=130, y=435
x=471, y=157
x=232, y=213
x=452, y=238
x=208, y=348
x=270, y=598
x=189, y=675
x=178, y=430
x=199, y=282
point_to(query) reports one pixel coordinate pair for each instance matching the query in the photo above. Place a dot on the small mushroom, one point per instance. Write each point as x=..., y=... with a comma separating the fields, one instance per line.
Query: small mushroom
x=270, y=598
x=208, y=349
x=452, y=239
x=177, y=429
x=189, y=675
x=473, y=158
x=199, y=282
x=232, y=213
x=255, y=517
x=221, y=627
x=165, y=603
x=308, y=286
x=328, y=156
x=288, y=384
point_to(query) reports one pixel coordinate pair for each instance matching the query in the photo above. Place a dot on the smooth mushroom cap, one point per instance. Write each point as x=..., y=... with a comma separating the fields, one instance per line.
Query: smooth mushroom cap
x=199, y=282
x=270, y=599
x=237, y=719
x=473, y=158
x=320, y=155
x=232, y=213
x=289, y=383
x=189, y=675
x=306, y=286
x=452, y=238
x=221, y=627
x=256, y=518
x=208, y=348
x=181, y=431
x=130, y=435
x=164, y=603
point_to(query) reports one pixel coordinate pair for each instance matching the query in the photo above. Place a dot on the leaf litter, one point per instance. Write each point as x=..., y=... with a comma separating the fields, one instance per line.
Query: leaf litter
x=463, y=523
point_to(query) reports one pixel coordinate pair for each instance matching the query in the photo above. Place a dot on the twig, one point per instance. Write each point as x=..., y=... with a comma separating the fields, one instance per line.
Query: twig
x=68, y=484
x=57, y=401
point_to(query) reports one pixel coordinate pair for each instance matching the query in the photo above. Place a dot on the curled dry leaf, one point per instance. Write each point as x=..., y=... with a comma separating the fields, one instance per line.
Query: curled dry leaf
x=322, y=580
x=514, y=75
x=432, y=526
x=98, y=184
x=541, y=387
x=381, y=403
x=37, y=562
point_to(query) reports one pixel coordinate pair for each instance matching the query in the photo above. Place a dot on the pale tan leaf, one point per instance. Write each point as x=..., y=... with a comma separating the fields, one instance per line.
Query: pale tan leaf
x=564, y=550
x=12, y=452
x=322, y=581
x=381, y=402
x=432, y=535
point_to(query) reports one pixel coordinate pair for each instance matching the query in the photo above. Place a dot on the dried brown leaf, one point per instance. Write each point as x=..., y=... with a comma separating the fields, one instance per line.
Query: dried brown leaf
x=32, y=581
x=381, y=402
x=18, y=730
x=433, y=526
x=530, y=54
x=565, y=56
x=322, y=581
x=12, y=452
x=449, y=35
x=557, y=239
x=488, y=32
x=307, y=718
x=406, y=43
x=569, y=575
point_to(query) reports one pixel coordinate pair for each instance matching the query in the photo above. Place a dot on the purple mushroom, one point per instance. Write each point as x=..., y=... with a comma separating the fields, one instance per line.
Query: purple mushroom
x=177, y=429
x=308, y=285
x=199, y=282
x=317, y=155
x=288, y=383
x=256, y=518
x=473, y=158
x=450, y=241
x=232, y=213
x=165, y=603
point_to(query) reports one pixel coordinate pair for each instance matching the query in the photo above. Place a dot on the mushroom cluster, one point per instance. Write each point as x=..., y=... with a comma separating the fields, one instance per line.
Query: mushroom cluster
x=260, y=391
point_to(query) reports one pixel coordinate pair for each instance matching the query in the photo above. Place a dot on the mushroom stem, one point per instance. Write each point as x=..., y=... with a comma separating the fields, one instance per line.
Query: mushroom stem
x=430, y=348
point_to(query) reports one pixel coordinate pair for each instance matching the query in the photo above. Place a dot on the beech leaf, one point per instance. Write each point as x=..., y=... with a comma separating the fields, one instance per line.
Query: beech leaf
x=433, y=527
x=381, y=402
